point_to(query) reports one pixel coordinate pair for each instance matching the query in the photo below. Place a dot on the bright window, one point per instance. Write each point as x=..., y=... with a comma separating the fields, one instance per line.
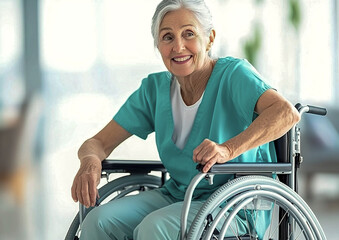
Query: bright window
x=11, y=79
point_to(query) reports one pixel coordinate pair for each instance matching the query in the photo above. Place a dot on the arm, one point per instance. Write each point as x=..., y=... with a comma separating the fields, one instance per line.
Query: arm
x=276, y=117
x=91, y=153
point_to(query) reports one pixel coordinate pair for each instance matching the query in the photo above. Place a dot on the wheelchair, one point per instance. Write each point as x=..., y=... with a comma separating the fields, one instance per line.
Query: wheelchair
x=269, y=188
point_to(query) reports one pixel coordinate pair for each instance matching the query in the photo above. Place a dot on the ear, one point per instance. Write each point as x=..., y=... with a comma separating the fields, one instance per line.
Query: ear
x=212, y=36
x=211, y=39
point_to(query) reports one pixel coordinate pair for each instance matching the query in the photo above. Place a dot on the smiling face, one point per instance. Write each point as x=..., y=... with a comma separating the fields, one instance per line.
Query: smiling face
x=183, y=45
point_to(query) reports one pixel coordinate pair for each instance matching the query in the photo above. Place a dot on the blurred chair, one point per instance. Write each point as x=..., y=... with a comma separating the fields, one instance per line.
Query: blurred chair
x=17, y=139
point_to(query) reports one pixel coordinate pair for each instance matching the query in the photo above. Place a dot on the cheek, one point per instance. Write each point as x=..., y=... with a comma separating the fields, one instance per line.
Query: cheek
x=164, y=51
x=199, y=48
x=199, y=53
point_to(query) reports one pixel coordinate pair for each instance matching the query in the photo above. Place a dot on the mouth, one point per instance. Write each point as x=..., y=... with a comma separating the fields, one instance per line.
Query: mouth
x=181, y=60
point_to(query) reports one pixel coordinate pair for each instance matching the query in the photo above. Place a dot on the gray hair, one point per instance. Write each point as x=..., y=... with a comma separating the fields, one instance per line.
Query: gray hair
x=197, y=7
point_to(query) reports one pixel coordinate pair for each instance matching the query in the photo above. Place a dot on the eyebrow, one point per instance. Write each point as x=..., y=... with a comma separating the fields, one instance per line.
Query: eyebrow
x=183, y=26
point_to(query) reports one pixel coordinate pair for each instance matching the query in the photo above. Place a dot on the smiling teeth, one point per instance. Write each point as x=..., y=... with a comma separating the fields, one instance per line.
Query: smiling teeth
x=182, y=59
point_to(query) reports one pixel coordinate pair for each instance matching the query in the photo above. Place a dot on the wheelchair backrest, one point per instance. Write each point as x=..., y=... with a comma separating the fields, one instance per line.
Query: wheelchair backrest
x=282, y=148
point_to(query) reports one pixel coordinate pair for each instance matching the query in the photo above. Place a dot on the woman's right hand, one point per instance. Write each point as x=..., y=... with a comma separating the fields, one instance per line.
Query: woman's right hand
x=85, y=183
x=91, y=153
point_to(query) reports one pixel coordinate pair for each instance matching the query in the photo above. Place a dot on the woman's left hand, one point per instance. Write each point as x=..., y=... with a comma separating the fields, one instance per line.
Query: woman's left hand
x=209, y=153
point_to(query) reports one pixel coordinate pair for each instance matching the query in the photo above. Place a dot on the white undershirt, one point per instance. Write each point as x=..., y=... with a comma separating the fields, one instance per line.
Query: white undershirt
x=183, y=115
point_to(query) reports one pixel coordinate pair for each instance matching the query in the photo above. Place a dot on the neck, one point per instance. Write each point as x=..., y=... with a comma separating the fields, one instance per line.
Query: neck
x=193, y=85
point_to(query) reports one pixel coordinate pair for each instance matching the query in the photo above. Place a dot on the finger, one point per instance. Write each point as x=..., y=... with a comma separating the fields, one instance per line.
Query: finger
x=78, y=191
x=200, y=151
x=197, y=150
x=98, y=195
x=195, y=153
x=209, y=164
x=206, y=154
x=85, y=193
x=73, y=191
x=92, y=192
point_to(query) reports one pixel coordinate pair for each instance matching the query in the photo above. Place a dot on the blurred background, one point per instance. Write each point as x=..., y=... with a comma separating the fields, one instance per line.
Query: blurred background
x=66, y=66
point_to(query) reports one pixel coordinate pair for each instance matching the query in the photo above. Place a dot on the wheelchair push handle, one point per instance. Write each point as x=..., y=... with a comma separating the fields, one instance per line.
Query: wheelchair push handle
x=317, y=110
x=311, y=109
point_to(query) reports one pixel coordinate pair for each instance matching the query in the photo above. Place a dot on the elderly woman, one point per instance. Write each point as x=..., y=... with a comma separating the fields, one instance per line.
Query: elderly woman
x=203, y=110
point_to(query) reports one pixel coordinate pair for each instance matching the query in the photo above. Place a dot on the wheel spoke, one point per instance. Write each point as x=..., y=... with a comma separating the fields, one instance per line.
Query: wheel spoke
x=247, y=222
x=272, y=217
x=236, y=226
x=232, y=229
x=277, y=227
x=254, y=220
x=299, y=234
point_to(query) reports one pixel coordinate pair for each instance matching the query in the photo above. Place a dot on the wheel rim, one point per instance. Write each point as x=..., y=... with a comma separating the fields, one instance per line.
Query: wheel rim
x=201, y=226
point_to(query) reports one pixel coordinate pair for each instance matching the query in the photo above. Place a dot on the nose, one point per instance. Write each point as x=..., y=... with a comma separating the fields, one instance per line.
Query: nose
x=178, y=45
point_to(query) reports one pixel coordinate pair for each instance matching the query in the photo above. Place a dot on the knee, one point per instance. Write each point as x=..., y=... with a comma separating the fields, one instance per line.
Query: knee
x=98, y=225
x=157, y=226
x=94, y=219
x=106, y=223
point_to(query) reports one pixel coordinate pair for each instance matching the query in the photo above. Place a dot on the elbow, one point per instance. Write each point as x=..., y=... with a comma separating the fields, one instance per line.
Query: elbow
x=292, y=114
x=297, y=116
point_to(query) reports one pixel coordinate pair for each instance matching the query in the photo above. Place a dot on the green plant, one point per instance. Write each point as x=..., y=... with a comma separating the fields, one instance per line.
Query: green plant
x=252, y=44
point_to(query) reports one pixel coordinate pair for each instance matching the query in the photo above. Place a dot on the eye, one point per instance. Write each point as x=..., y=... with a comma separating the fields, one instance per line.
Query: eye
x=188, y=34
x=167, y=37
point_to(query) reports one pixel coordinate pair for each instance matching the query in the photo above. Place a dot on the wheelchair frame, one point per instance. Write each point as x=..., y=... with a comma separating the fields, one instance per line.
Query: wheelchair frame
x=289, y=159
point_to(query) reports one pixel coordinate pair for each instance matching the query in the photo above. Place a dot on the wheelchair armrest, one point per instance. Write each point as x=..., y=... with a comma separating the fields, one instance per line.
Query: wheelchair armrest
x=245, y=168
x=132, y=166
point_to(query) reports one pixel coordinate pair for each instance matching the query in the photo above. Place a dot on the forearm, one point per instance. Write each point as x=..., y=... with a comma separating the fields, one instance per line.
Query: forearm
x=103, y=143
x=91, y=153
x=91, y=149
x=271, y=124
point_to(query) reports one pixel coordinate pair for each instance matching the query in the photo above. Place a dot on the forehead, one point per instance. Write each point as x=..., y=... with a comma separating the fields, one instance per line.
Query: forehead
x=179, y=18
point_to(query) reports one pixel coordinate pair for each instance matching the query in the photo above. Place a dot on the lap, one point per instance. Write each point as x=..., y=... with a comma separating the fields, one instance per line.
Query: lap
x=140, y=214
x=164, y=223
x=148, y=215
x=134, y=207
x=120, y=217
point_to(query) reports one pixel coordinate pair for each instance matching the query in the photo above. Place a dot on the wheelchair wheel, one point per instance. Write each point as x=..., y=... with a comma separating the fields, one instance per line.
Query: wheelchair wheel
x=131, y=184
x=238, y=210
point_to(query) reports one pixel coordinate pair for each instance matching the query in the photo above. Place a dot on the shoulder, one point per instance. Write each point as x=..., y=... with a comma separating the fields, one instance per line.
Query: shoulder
x=158, y=79
x=232, y=64
x=236, y=69
x=155, y=84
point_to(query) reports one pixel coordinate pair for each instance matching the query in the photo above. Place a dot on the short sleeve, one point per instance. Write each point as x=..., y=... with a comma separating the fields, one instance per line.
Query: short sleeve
x=246, y=86
x=136, y=115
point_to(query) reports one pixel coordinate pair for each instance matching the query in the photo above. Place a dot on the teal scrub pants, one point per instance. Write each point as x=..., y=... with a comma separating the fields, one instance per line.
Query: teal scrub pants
x=148, y=215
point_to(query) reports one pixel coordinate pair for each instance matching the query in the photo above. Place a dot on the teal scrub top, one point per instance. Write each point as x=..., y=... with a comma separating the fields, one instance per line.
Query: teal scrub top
x=227, y=109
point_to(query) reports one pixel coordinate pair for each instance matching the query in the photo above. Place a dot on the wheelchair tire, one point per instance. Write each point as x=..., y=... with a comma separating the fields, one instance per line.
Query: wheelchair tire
x=119, y=188
x=254, y=193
